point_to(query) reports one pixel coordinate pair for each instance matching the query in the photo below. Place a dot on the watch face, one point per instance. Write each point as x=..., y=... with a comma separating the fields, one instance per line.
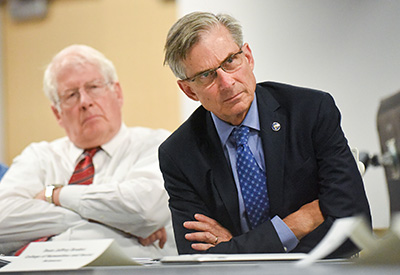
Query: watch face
x=49, y=193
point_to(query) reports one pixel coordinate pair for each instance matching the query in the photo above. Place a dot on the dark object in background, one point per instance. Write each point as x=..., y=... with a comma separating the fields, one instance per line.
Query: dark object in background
x=388, y=124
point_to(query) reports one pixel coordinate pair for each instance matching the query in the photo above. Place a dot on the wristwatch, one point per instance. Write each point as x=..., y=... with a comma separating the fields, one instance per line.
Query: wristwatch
x=49, y=193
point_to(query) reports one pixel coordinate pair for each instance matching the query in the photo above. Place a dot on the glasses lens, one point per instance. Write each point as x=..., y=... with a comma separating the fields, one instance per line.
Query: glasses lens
x=93, y=89
x=232, y=63
x=206, y=77
x=69, y=98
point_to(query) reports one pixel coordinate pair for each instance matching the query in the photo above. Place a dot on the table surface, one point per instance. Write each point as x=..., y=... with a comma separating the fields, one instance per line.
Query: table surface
x=248, y=268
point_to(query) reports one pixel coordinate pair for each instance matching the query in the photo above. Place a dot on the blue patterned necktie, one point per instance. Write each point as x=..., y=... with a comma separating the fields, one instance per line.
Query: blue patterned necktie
x=253, y=181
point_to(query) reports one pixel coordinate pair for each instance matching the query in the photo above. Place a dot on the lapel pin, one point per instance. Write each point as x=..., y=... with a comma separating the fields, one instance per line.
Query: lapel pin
x=275, y=126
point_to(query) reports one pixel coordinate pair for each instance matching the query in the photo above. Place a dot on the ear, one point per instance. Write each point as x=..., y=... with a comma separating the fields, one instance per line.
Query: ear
x=248, y=54
x=57, y=115
x=118, y=91
x=187, y=89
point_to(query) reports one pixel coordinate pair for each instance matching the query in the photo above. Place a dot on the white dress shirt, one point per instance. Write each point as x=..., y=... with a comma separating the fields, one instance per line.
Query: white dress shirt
x=125, y=200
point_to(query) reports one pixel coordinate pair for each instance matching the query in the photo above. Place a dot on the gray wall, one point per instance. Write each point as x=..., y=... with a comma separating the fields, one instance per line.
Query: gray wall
x=349, y=48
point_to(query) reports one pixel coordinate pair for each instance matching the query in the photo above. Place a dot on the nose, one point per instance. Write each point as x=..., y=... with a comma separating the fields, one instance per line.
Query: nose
x=85, y=99
x=224, y=79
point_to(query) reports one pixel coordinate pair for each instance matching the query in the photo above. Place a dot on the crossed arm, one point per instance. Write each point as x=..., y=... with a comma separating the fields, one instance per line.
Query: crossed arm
x=160, y=235
x=209, y=232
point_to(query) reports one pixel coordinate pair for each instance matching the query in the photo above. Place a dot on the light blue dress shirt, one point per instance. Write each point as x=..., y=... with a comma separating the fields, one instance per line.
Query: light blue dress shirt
x=224, y=130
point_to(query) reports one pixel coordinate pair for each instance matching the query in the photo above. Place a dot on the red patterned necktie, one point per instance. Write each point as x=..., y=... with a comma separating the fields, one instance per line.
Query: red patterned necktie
x=84, y=170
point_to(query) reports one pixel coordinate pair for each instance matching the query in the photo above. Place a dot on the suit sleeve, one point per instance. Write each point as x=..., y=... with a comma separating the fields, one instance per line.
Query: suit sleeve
x=341, y=189
x=183, y=200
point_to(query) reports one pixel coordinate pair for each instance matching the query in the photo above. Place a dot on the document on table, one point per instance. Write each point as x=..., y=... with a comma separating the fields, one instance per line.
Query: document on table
x=374, y=250
x=203, y=258
x=68, y=255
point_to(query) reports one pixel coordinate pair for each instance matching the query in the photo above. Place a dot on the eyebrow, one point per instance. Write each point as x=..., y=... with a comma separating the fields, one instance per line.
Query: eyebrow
x=86, y=83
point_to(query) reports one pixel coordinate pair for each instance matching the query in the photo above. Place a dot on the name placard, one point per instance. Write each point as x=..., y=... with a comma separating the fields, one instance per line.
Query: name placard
x=69, y=255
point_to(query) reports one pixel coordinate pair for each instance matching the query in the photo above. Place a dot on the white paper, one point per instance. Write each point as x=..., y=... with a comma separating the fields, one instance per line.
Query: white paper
x=342, y=229
x=383, y=250
x=68, y=255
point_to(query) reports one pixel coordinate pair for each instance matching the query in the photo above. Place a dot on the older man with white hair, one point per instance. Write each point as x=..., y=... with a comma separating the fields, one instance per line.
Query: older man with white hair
x=100, y=181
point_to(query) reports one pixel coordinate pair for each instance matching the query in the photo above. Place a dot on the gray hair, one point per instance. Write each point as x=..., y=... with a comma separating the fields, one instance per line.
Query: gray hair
x=75, y=55
x=186, y=32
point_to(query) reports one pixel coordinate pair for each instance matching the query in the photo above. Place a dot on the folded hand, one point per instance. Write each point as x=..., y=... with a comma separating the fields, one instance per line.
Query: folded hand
x=160, y=235
x=209, y=232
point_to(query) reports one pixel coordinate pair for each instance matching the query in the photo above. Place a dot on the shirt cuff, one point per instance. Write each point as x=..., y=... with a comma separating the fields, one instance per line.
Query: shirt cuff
x=288, y=239
x=71, y=195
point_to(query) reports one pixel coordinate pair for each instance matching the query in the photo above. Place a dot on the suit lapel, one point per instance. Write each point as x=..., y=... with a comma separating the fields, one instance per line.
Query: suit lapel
x=274, y=152
x=273, y=144
x=222, y=177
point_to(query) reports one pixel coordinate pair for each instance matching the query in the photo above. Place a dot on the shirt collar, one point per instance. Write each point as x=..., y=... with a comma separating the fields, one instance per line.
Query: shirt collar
x=109, y=148
x=251, y=120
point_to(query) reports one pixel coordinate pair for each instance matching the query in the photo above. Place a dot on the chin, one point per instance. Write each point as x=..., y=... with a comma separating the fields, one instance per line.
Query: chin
x=88, y=144
x=240, y=109
x=90, y=140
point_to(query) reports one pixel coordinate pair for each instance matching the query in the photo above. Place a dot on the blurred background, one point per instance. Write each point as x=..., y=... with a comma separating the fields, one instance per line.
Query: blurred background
x=348, y=48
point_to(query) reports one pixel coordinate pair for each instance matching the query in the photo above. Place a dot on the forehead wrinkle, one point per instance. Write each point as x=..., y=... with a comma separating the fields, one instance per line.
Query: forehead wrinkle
x=67, y=77
x=212, y=44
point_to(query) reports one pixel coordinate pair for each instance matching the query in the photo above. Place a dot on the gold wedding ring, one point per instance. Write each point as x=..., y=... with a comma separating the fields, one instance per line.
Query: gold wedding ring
x=216, y=240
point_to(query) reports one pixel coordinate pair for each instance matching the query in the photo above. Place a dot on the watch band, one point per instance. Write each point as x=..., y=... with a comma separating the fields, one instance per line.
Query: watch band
x=49, y=193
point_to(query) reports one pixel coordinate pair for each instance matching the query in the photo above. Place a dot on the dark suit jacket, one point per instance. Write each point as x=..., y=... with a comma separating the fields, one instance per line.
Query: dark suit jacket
x=307, y=159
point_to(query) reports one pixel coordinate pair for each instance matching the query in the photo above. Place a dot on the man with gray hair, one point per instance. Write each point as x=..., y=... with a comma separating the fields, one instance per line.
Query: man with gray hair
x=100, y=181
x=258, y=168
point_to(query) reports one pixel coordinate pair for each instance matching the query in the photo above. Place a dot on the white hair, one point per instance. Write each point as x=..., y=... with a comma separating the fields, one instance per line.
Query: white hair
x=75, y=55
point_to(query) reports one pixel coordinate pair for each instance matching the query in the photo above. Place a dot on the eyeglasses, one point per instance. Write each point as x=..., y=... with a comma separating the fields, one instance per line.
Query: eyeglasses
x=231, y=64
x=94, y=89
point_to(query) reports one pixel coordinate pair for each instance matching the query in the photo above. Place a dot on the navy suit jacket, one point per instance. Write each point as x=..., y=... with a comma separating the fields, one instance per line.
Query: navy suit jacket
x=307, y=159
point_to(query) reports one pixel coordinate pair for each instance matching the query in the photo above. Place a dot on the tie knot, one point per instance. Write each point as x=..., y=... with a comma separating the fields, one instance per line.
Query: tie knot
x=91, y=152
x=241, y=135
